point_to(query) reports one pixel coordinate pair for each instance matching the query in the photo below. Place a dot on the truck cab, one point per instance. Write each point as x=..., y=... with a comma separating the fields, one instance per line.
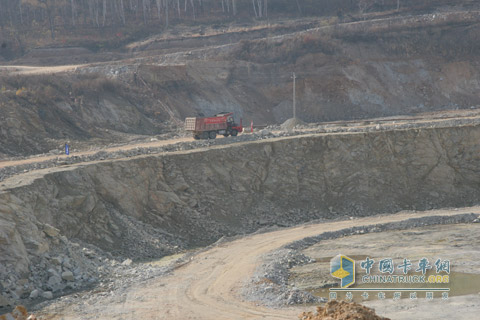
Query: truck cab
x=207, y=128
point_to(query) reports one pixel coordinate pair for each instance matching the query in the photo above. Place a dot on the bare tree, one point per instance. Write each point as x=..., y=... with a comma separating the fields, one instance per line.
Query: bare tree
x=298, y=7
x=72, y=4
x=55, y=14
x=144, y=9
x=166, y=13
x=48, y=8
x=122, y=12
x=91, y=10
x=104, y=12
x=96, y=13
x=20, y=11
x=234, y=7
x=159, y=9
x=193, y=9
x=364, y=5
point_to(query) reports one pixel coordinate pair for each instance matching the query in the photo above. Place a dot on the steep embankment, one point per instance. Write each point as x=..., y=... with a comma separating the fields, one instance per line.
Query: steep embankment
x=346, y=70
x=154, y=205
x=42, y=112
x=399, y=65
x=382, y=67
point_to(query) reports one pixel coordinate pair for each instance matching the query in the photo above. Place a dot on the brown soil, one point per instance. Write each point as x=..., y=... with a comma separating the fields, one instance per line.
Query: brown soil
x=341, y=310
x=207, y=287
x=19, y=313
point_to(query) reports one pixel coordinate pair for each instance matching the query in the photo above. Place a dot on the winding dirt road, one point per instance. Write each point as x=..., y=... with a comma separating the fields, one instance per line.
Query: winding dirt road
x=209, y=286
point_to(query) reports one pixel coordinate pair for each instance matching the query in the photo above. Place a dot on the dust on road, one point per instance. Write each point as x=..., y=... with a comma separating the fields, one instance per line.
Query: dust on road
x=209, y=286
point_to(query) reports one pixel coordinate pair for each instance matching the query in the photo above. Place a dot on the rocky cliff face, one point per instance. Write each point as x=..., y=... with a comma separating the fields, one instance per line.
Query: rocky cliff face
x=346, y=69
x=151, y=206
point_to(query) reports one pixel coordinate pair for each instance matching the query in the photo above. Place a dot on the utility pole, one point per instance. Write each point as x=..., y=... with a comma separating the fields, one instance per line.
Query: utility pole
x=294, y=104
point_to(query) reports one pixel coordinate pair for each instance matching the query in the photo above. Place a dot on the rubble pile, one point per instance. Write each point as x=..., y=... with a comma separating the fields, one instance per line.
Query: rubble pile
x=341, y=310
x=271, y=283
x=293, y=123
x=68, y=267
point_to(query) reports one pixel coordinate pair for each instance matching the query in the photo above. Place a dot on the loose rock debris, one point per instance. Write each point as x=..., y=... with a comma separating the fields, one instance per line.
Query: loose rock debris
x=19, y=313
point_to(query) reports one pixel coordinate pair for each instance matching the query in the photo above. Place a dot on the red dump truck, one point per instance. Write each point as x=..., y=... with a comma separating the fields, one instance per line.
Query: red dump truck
x=208, y=128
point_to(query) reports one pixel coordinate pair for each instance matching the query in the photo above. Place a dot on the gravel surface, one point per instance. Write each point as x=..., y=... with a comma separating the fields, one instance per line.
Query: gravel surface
x=207, y=287
x=270, y=286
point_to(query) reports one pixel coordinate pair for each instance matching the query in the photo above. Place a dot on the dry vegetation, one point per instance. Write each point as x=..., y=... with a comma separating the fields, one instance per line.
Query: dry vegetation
x=341, y=310
x=42, y=90
x=284, y=50
x=109, y=25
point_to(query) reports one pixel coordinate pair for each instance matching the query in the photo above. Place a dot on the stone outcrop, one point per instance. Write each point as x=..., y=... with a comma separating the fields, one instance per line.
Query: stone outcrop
x=52, y=225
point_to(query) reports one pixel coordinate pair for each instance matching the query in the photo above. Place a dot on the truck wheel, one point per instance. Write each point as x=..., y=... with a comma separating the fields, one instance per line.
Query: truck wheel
x=196, y=137
x=225, y=135
x=212, y=135
x=234, y=133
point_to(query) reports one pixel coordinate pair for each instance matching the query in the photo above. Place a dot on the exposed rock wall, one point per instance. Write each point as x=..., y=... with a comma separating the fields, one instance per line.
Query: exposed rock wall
x=389, y=66
x=154, y=205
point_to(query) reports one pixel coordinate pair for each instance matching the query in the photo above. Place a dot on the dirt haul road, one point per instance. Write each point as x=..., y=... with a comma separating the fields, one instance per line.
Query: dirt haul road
x=153, y=144
x=34, y=70
x=209, y=285
x=420, y=120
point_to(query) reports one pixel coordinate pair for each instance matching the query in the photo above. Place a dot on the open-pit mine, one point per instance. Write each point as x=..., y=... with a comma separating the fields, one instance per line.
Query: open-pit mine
x=239, y=159
x=91, y=233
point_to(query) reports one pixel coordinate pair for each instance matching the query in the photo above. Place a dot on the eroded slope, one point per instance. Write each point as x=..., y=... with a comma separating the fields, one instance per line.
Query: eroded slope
x=150, y=206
